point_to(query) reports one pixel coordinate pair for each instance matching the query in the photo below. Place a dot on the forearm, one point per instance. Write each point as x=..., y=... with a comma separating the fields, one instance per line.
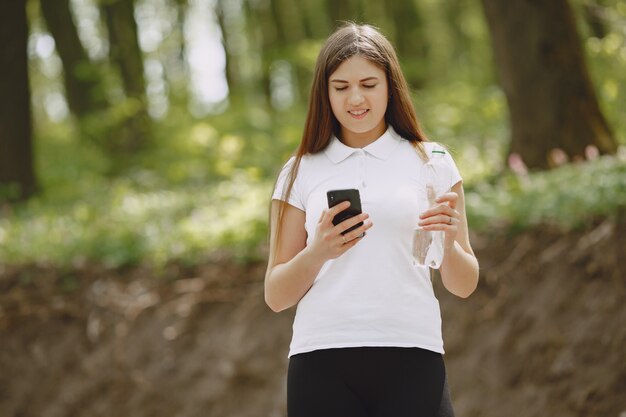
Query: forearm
x=286, y=284
x=459, y=271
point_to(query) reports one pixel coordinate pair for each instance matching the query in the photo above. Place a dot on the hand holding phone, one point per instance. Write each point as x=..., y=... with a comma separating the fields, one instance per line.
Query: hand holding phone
x=338, y=196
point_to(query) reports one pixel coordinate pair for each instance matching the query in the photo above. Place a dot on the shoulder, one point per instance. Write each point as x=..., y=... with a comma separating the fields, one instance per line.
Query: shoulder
x=438, y=147
x=304, y=161
x=306, y=166
x=431, y=146
x=313, y=162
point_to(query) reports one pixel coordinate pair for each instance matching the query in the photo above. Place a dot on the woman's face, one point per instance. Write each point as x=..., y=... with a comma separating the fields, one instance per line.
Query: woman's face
x=358, y=97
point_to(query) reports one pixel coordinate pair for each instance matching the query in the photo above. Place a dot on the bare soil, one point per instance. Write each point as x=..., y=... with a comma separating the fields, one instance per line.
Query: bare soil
x=544, y=335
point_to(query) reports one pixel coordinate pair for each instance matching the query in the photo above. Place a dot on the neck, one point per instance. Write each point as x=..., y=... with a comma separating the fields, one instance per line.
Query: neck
x=361, y=140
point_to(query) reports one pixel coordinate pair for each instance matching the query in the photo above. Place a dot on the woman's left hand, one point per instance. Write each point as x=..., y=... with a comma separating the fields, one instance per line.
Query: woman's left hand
x=443, y=217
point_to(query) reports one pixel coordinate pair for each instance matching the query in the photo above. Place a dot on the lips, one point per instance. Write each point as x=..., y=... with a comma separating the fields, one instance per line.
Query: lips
x=358, y=114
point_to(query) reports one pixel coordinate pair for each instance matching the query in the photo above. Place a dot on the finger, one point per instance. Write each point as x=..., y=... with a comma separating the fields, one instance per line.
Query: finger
x=442, y=219
x=330, y=213
x=359, y=232
x=322, y=216
x=333, y=211
x=348, y=223
x=351, y=243
x=438, y=227
x=442, y=209
x=451, y=197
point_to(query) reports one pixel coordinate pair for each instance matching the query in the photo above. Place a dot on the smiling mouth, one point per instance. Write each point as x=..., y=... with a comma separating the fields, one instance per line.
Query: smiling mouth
x=358, y=114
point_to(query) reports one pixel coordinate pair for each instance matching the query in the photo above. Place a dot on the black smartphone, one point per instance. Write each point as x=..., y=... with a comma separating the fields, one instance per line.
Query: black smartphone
x=338, y=196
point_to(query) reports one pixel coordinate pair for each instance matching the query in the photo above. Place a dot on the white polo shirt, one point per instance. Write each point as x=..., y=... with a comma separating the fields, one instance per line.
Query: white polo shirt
x=372, y=295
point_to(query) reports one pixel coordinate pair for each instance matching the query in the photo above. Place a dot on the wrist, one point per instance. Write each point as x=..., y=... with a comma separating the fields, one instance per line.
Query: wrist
x=311, y=258
x=449, y=248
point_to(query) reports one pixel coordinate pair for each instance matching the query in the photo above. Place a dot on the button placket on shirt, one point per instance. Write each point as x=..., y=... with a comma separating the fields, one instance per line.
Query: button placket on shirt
x=362, y=172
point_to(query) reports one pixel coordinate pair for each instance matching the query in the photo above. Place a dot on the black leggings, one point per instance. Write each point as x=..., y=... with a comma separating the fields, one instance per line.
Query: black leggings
x=368, y=382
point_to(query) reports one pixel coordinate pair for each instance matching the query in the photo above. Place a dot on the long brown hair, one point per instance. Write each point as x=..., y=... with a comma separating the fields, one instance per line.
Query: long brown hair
x=347, y=41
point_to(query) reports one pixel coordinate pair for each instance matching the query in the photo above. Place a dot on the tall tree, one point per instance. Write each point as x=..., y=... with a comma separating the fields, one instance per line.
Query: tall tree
x=227, y=21
x=125, y=53
x=541, y=66
x=263, y=34
x=315, y=19
x=83, y=84
x=17, y=177
x=290, y=15
x=176, y=70
x=454, y=12
x=410, y=40
x=342, y=10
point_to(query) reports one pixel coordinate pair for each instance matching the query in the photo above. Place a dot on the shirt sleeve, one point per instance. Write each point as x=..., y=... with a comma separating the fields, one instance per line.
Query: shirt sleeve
x=294, y=198
x=454, y=176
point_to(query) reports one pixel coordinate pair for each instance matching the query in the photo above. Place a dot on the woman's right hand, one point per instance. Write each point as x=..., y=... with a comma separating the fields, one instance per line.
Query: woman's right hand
x=328, y=242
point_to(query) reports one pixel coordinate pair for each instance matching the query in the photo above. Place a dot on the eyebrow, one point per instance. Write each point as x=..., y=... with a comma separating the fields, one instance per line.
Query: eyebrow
x=344, y=81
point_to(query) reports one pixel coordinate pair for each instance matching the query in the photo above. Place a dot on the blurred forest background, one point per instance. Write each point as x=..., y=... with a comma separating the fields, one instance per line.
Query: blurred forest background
x=157, y=126
x=140, y=139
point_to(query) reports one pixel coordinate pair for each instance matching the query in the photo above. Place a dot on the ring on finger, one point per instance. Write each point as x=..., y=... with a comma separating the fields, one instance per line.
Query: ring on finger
x=343, y=237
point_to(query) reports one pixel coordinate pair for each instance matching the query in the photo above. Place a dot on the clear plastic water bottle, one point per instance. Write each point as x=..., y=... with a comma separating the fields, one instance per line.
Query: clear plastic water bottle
x=428, y=245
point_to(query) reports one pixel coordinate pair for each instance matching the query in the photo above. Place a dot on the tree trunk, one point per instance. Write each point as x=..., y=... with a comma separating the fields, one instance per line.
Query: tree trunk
x=83, y=86
x=292, y=20
x=410, y=40
x=378, y=14
x=454, y=11
x=233, y=73
x=257, y=81
x=17, y=177
x=125, y=53
x=342, y=10
x=287, y=16
x=176, y=71
x=540, y=63
x=317, y=20
x=264, y=22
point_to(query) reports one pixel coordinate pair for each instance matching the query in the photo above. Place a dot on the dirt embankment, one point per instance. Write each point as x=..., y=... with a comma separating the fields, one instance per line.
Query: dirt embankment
x=544, y=335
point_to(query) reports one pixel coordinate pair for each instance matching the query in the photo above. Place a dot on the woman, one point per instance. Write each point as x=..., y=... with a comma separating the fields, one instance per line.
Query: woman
x=367, y=332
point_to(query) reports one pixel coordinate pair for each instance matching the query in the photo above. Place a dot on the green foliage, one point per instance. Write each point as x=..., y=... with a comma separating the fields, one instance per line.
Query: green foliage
x=568, y=197
x=175, y=205
x=127, y=222
x=606, y=58
x=470, y=120
x=203, y=186
x=179, y=210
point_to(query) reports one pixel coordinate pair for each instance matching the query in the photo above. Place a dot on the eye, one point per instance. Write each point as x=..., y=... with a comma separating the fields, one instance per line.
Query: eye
x=340, y=88
x=369, y=85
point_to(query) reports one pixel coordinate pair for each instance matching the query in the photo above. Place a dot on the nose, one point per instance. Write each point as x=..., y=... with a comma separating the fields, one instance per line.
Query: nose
x=355, y=98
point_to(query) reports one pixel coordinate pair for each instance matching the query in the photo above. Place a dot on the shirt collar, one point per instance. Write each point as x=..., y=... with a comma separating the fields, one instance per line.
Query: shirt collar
x=381, y=148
